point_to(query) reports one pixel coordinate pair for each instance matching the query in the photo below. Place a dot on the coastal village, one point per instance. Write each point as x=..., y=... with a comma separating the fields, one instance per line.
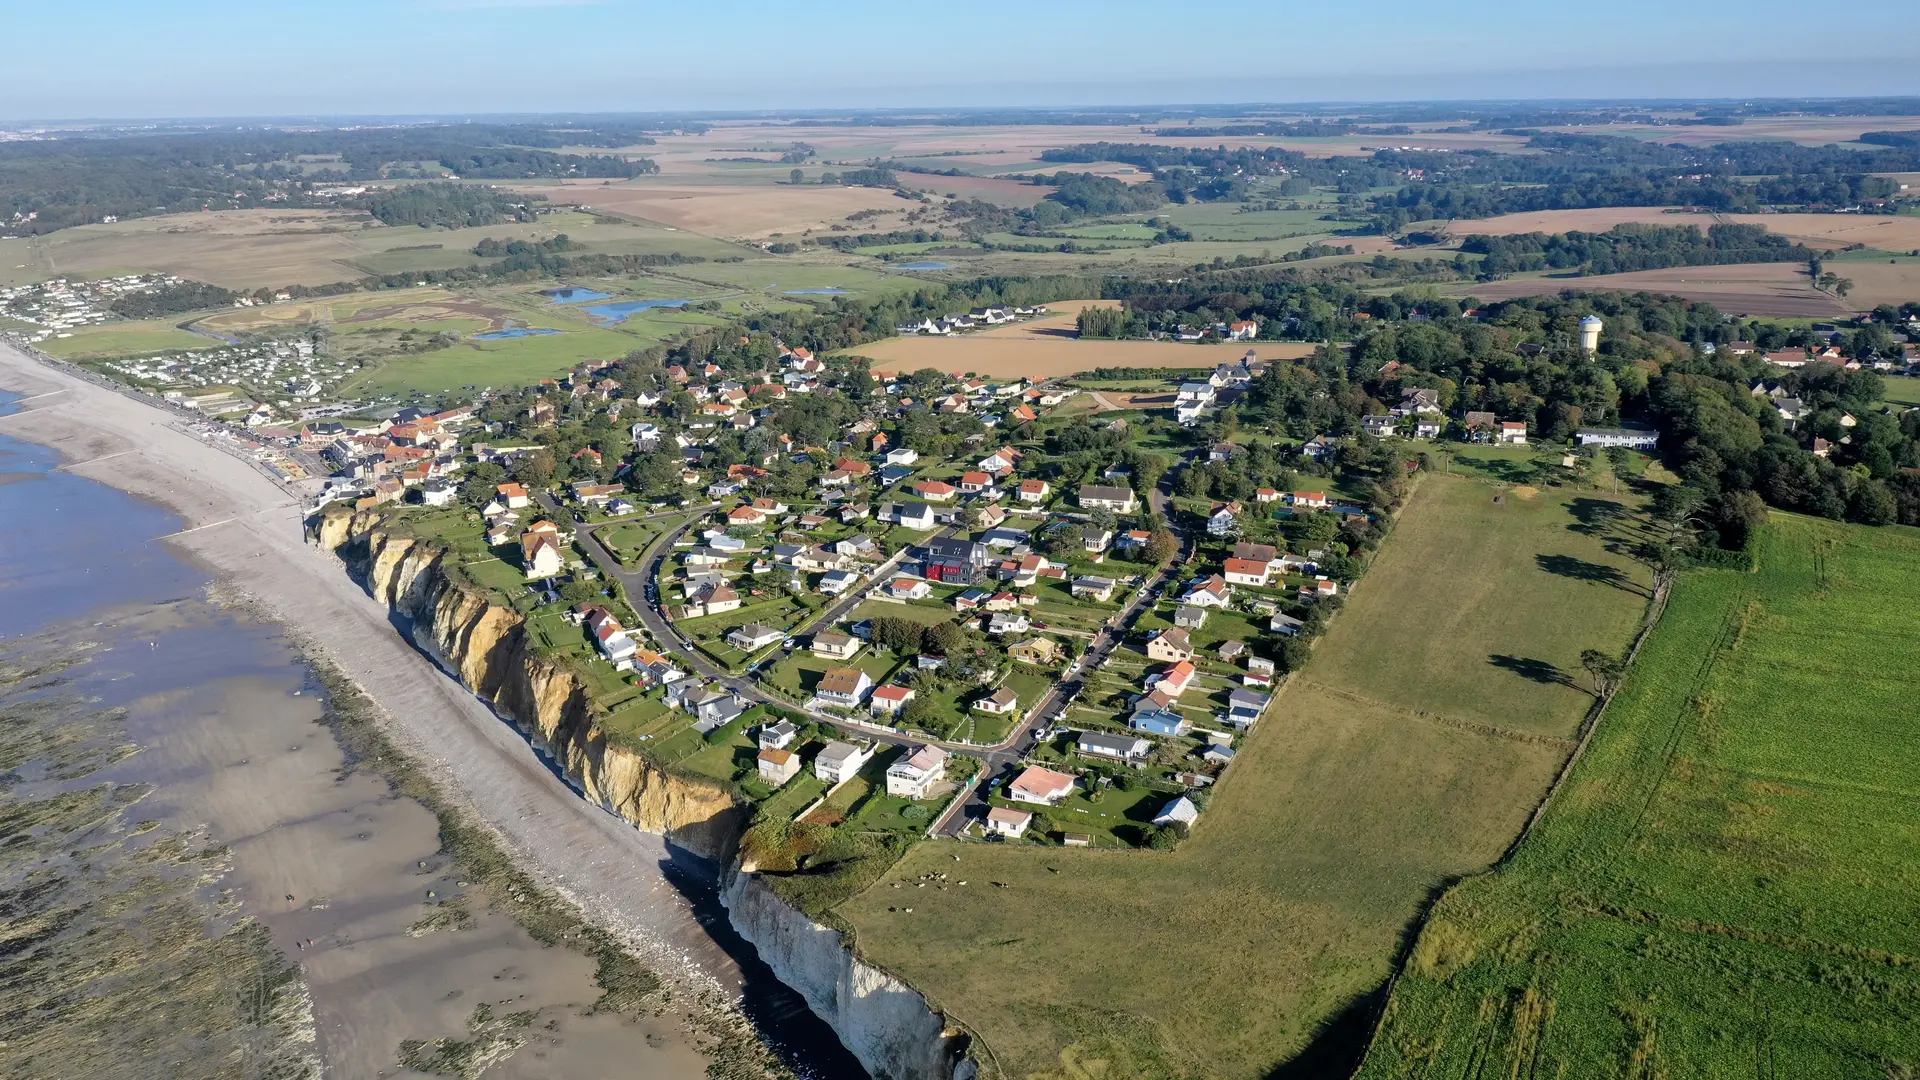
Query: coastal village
x=921, y=621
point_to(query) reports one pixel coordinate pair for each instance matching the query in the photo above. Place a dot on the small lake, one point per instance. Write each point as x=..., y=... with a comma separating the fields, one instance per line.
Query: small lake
x=616, y=313
x=571, y=295
x=513, y=332
x=925, y=266
x=816, y=292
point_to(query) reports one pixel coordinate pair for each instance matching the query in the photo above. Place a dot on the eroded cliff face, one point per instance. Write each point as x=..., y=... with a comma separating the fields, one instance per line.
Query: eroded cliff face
x=883, y=1021
x=486, y=645
x=886, y=1023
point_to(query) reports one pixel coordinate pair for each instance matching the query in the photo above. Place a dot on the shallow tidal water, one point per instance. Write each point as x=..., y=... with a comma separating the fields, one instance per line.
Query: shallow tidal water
x=189, y=844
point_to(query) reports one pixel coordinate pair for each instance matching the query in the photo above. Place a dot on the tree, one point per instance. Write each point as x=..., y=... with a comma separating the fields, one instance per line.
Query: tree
x=481, y=484
x=920, y=713
x=946, y=639
x=903, y=636
x=581, y=591
x=1606, y=670
x=1161, y=546
x=1163, y=838
x=535, y=469
x=797, y=176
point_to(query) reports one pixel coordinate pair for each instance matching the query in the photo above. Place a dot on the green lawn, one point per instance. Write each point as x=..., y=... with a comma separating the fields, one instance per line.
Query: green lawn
x=800, y=672
x=1901, y=390
x=1284, y=910
x=1726, y=886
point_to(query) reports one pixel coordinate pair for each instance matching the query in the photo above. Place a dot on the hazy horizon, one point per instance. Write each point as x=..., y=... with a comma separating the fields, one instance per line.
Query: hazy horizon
x=220, y=59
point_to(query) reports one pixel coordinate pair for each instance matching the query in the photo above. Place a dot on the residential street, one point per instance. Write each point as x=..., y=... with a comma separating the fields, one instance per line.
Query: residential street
x=641, y=588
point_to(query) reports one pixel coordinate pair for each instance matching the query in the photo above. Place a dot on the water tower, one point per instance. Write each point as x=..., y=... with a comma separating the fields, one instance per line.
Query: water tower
x=1590, y=333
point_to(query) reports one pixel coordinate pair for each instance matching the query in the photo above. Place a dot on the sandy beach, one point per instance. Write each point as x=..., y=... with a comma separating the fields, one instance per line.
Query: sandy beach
x=245, y=528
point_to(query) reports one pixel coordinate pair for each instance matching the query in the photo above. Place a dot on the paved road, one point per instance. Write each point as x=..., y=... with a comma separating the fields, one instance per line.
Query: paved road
x=1002, y=758
x=643, y=594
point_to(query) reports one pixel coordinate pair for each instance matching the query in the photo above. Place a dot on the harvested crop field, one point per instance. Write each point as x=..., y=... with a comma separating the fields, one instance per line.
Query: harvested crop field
x=1880, y=282
x=730, y=211
x=1000, y=192
x=1261, y=941
x=1779, y=289
x=1050, y=358
x=1892, y=233
x=1806, y=130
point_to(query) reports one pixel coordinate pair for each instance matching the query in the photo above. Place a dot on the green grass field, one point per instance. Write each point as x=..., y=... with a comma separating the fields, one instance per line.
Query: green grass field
x=1282, y=913
x=1901, y=390
x=124, y=338
x=1726, y=887
x=1484, y=648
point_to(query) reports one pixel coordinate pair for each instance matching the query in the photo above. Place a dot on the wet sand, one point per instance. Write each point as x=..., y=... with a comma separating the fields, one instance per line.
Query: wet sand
x=231, y=735
x=244, y=528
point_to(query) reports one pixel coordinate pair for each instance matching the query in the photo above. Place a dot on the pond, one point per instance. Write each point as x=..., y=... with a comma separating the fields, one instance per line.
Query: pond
x=925, y=266
x=513, y=332
x=573, y=295
x=618, y=312
x=816, y=292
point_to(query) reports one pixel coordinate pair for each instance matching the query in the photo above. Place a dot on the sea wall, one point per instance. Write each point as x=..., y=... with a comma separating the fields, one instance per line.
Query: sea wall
x=886, y=1023
x=486, y=645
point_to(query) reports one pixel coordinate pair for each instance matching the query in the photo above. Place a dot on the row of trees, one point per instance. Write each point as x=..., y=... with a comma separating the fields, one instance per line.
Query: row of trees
x=1632, y=247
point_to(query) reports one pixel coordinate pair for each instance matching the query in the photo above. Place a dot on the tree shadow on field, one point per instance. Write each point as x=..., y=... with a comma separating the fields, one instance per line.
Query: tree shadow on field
x=1596, y=517
x=1340, y=1044
x=1567, y=566
x=1528, y=668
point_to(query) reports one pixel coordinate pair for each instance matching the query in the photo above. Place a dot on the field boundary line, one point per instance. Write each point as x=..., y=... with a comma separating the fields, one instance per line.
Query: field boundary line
x=1456, y=723
x=1656, y=607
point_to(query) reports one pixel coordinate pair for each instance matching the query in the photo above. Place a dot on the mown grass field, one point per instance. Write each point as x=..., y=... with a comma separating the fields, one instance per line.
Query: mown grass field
x=1282, y=913
x=1536, y=580
x=1726, y=887
x=123, y=338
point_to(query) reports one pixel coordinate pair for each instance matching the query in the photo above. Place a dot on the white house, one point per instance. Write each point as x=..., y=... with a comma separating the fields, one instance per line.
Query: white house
x=846, y=687
x=1631, y=438
x=1008, y=822
x=1040, y=787
x=753, y=637
x=835, y=645
x=1120, y=500
x=839, y=761
x=1512, y=433
x=890, y=699
x=913, y=776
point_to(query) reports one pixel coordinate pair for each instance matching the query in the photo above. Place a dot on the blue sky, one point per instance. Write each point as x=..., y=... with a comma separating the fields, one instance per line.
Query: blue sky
x=142, y=58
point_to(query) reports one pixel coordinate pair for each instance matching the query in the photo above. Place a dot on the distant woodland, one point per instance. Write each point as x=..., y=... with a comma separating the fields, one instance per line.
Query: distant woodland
x=56, y=183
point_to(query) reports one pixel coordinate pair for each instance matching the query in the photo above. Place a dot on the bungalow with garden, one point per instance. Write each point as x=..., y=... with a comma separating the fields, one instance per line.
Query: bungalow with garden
x=753, y=637
x=1129, y=748
x=1008, y=822
x=1167, y=722
x=890, y=699
x=835, y=645
x=1040, y=786
x=1002, y=702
